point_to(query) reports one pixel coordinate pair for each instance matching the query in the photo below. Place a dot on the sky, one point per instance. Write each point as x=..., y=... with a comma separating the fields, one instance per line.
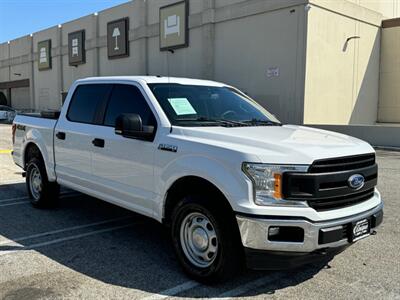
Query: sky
x=23, y=17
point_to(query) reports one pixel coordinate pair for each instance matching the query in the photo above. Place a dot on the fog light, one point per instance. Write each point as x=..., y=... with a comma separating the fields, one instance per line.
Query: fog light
x=290, y=234
x=273, y=231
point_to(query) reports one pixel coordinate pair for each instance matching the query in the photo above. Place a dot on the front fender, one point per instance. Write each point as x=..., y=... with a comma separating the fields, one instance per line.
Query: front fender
x=228, y=178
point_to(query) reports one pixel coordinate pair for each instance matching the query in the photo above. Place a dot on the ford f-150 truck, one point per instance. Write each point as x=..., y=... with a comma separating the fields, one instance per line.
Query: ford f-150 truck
x=234, y=185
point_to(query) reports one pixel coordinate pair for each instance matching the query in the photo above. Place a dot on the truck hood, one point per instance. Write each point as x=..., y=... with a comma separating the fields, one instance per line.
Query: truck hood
x=288, y=144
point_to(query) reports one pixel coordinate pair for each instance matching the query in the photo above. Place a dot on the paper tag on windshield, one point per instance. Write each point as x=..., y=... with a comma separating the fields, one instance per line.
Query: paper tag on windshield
x=182, y=106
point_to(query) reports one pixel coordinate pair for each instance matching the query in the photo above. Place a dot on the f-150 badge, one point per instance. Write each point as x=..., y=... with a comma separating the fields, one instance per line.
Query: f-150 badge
x=167, y=147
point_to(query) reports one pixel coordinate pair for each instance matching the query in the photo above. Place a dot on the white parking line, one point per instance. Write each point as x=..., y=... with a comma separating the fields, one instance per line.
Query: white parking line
x=15, y=203
x=27, y=198
x=78, y=236
x=173, y=291
x=64, y=195
x=69, y=238
x=240, y=290
x=13, y=199
x=10, y=241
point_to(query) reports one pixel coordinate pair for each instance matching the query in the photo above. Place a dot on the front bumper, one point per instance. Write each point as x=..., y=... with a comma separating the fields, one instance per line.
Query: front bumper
x=254, y=231
x=278, y=260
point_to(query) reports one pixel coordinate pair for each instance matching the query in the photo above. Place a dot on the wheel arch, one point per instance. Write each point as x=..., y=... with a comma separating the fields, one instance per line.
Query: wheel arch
x=32, y=149
x=190, y=184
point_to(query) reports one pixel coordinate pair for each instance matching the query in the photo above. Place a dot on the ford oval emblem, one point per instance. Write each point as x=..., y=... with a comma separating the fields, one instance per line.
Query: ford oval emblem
x=356, y=181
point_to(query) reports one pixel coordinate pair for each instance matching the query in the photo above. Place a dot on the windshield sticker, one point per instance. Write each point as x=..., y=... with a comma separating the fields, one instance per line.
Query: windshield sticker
x=182, y=106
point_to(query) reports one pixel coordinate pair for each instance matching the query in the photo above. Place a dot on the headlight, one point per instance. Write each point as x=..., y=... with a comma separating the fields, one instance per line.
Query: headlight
x=267, y=182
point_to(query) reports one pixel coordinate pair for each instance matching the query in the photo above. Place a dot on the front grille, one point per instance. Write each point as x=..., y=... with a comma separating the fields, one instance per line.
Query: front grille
x=341, y=201
x=342, y=163
x=325, y=186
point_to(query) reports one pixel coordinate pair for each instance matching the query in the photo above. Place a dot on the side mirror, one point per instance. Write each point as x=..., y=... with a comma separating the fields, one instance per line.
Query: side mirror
x=130, y=126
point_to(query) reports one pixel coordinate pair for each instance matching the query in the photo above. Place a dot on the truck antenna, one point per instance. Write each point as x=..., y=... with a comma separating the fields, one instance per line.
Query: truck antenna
x=172, y=52
x=169, y=83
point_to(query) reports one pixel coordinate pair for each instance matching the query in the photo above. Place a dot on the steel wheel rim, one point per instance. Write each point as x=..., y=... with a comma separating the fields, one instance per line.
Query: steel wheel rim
x=35, y=182
x=199, y=240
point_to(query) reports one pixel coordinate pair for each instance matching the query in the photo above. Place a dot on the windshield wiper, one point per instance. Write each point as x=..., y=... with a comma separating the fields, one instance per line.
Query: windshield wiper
x=233, y=123
x=203, y=121
x=258, y=122
x=220, y=122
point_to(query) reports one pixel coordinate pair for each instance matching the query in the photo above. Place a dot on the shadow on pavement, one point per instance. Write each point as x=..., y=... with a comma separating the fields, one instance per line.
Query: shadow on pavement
x=138, y=255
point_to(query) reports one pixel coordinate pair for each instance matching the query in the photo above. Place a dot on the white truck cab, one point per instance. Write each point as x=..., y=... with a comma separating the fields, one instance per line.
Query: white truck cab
x=234, y=184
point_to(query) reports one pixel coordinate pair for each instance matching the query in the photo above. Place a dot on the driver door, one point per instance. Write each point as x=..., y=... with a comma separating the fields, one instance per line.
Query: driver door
x=123, y=168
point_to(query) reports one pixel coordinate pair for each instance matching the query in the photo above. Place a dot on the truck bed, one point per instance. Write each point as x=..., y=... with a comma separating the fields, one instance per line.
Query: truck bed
x=42, y=129
x=47, y=114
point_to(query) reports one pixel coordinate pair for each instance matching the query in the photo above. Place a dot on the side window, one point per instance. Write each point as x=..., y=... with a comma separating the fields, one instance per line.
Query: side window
x=128, y=99
x=85, y=102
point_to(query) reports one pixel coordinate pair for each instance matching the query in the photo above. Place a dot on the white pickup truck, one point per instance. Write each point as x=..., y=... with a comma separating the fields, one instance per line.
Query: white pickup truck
x=234, y=185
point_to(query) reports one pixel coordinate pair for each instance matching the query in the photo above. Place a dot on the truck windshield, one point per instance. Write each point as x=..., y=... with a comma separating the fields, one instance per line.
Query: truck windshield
x=195, y=105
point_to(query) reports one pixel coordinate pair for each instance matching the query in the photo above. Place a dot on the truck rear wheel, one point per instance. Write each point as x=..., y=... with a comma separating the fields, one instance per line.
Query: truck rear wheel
x=42, y=193
x=205, y=241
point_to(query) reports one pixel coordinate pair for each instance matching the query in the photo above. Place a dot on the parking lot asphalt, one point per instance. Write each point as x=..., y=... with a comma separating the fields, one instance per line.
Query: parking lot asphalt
x=86, y=248
x=9, y=171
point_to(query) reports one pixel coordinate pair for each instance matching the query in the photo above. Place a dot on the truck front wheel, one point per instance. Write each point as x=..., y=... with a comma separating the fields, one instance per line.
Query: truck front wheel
x=205, y=241
x=42, y=193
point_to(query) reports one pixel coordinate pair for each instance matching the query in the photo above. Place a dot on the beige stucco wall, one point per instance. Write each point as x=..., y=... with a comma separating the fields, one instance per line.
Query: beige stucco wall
x=136, y=62
x=342, y=81
x=72, y=73
x=4, y=68
x=18, y=53
x=230, y=41
x=46, y=82
x=388, y=8
x=242, y=58
x=389, y=100
x=234, y=41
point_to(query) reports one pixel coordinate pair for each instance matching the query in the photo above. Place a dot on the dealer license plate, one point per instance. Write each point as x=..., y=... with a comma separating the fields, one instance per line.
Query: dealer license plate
x=360, y=229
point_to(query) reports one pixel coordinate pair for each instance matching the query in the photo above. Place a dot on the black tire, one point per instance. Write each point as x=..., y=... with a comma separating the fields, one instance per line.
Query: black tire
x=228, y=260
x=47, y=194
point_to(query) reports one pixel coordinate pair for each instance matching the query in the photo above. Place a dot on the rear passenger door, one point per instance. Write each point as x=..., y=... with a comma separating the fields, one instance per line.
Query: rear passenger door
x=123, y=167
x=74, y=135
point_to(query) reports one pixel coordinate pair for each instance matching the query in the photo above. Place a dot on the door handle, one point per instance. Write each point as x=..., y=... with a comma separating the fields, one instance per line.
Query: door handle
x=98, y=143
x=60, y=135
